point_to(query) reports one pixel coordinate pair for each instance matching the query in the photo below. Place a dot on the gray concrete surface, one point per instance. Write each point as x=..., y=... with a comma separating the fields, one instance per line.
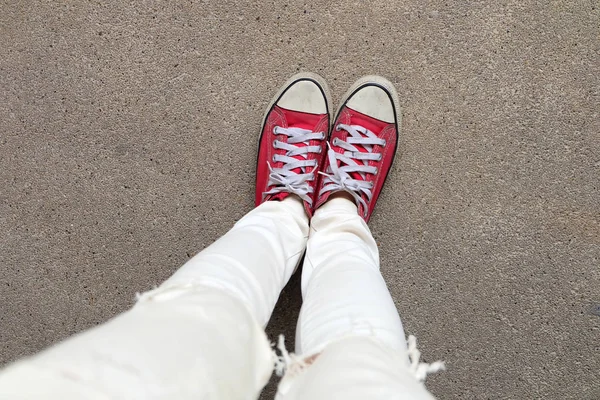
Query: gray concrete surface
x=128, y=133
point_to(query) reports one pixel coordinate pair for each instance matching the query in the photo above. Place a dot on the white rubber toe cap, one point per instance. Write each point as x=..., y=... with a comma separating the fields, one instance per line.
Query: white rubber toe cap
x=374, y=102
x=304, y=96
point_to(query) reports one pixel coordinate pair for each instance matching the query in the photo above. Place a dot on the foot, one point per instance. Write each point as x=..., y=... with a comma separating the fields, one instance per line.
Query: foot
x=292, y=143
x=362, y=144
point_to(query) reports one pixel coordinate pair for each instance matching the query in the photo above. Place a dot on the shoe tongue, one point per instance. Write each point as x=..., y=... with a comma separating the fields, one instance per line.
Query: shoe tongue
x=279, y=196
x=372, y=124
x=298, y=119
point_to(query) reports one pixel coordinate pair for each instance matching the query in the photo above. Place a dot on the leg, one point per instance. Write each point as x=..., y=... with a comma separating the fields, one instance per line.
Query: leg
x=349, y=333
x=343, y=290
x=199, y=335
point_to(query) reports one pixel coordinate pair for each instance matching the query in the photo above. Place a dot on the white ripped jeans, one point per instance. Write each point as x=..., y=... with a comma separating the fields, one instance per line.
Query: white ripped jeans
x=200, y=334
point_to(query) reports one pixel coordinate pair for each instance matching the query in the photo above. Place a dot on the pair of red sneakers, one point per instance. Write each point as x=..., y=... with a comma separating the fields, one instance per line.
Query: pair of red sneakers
x=300, y=154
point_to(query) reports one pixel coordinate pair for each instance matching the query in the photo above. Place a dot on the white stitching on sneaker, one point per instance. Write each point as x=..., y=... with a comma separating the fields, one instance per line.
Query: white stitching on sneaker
x=338, y=178
x=284, y=179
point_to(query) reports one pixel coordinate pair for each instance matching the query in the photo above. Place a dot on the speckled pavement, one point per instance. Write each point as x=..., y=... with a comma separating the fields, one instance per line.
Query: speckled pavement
x=128, y=133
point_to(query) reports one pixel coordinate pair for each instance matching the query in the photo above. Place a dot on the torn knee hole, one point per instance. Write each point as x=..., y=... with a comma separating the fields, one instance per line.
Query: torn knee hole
x=289, y=363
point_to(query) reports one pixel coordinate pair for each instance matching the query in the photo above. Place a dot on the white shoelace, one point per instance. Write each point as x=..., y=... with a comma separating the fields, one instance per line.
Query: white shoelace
x=285, y=179
x=352, y=160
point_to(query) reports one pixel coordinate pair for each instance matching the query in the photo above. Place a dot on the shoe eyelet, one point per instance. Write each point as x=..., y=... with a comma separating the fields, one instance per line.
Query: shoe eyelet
x=380, y=157
x=335, y=141
x=275, y=130
x=274, y=159
x=275, y=143
x=376, y=171
x=337, y=127
x=384, y=143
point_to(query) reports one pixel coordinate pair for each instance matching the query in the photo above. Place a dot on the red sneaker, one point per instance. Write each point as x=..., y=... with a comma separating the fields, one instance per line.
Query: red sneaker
x=362, y=144
x=292, y=143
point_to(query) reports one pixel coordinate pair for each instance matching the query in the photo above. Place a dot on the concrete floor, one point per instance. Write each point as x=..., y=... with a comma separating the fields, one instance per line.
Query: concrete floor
x=128, y=133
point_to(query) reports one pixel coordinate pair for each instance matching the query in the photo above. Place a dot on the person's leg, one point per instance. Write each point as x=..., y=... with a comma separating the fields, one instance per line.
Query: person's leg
x=350, y=342
x=343, y=290
x=200, y=334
